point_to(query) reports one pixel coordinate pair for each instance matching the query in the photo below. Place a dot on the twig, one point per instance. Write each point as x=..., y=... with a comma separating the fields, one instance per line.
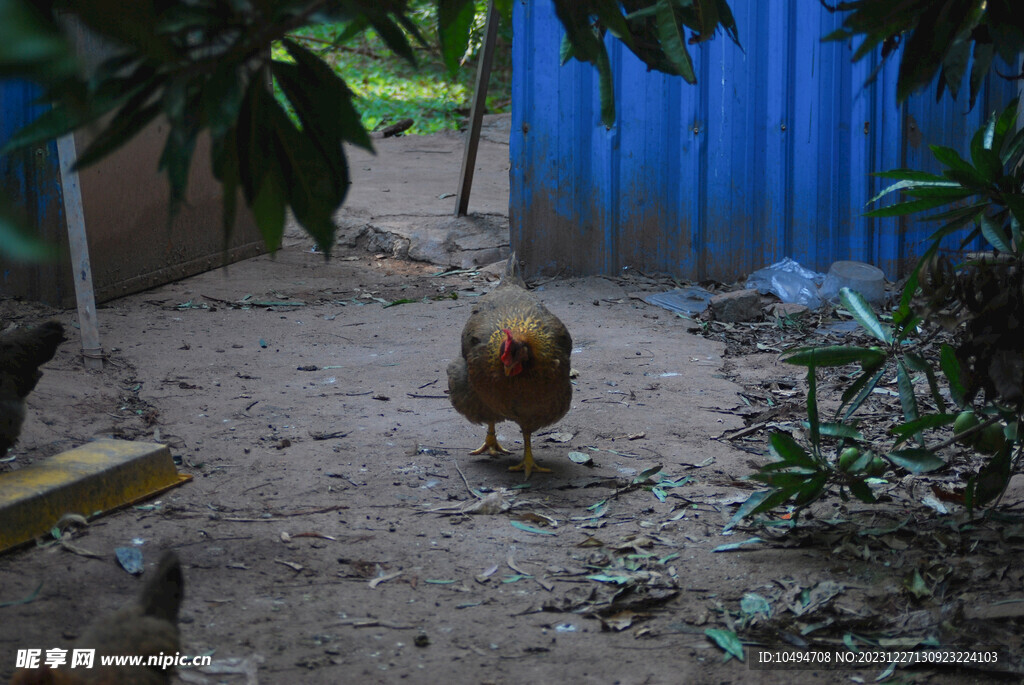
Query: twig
x=319, y=435
x=471, y=490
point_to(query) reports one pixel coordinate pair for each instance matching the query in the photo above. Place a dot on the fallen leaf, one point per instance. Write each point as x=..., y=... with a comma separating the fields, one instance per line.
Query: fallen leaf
x=290, y=564
x=620, y=621
x=560, y=437
x=736, y=545
x=727, y=640
x=590, y=541
x=484, y=576
x=383, y=579
x=530, y=529
x=581, y=458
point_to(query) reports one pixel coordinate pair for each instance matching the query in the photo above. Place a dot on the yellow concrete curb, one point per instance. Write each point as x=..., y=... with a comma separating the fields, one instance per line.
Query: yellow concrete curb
x=90, y=480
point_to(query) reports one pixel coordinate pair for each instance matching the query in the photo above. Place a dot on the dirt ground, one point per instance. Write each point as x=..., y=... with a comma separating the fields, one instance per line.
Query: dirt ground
x=327, y=534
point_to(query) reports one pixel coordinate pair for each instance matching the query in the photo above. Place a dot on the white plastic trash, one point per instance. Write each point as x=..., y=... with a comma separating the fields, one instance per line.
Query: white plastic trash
x=866, y=279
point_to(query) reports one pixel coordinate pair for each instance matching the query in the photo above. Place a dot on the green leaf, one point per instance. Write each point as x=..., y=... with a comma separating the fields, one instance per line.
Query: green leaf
x=916, y=586
x=1015, y=202
x=908, y=400
x=389, y=32
x=732, y=546
x=950, y=366
x=918, y=363
x=788, y=450
x=778, y=497
x=607, y=578
x=646, y=475
x=812, y=489
x=840, y=430
x=51, y=124
x=753, y=604
x=27, y=599
x=610, y=16
x=835, y=355
x=727, y=640
x=673, y=40
x=531, y=529
x=952, y=159
x=913, y=177
x=565, y=50
x=907, y=207
x=1014, y=149
x=993, y=477
x=134, y=116
x=746, y=508
x=222, y=98
x=864, y=315
x=953, y=191
x=994, y=234
x=862, y=491
x=860, y=390
x=454, y=20
x=19, y=245
x=269, y=206
x=983, y=54
x=795, y=478
x=916, y=460
x=321, y=99
x=812, y=409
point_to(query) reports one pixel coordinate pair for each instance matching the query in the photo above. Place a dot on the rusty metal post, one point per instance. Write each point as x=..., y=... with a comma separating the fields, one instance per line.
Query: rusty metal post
x=483, y=77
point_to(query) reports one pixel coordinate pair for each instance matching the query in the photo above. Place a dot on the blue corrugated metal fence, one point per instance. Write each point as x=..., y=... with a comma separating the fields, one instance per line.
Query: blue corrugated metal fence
x=768, y=156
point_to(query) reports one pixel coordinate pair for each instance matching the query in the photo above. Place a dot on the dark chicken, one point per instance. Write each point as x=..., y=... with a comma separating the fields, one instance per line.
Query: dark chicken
x=148, y=626
x=22, y=352
x=514, y=366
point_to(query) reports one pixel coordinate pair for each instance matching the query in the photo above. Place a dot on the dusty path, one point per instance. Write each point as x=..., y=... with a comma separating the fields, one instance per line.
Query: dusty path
x=322, y=537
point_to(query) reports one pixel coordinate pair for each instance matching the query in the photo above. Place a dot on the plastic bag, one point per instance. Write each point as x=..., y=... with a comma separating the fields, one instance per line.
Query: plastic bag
x=789, y=281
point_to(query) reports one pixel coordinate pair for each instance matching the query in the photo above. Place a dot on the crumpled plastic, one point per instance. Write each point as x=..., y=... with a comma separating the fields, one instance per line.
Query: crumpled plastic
x=789, y=281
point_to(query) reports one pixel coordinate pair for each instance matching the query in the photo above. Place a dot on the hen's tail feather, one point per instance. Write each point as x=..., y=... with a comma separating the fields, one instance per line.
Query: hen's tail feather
x=22, y=352
x=162, y=595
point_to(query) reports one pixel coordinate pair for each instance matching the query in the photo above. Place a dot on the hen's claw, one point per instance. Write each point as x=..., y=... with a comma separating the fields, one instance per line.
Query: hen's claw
x=491, y=445
x=529, y=466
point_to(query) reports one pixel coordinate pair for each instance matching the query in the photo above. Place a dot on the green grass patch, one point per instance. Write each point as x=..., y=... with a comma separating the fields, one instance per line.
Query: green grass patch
x=388, y=88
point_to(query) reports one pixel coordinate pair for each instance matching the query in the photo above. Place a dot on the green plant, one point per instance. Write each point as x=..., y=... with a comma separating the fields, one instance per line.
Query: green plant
x=980, y=301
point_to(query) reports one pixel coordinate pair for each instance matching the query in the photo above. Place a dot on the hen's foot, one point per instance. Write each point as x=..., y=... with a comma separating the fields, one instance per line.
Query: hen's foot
x=491, y=446
x=529, y=466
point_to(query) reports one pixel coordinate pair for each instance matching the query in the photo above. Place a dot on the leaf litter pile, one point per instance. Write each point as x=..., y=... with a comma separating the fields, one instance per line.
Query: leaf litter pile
x=917, y=572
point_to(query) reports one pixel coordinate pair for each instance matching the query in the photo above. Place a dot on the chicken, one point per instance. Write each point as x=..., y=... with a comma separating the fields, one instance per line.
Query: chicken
x=146, y=627
x=22, y=352
x=514, y=366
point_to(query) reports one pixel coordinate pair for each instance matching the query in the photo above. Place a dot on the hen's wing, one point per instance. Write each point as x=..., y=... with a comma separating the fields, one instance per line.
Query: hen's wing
x=464, y=398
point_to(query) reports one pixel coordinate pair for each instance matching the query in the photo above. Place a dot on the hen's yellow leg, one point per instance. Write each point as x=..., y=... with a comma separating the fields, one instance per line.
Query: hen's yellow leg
x=491, y=445
x=528, y=464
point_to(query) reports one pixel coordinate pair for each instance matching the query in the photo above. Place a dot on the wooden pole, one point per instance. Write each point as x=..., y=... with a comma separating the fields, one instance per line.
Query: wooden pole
x=80, y=265
x=483, y=77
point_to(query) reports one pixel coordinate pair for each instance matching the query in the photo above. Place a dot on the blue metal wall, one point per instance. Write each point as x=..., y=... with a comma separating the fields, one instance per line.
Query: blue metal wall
x=768, y=156
x=30, y=183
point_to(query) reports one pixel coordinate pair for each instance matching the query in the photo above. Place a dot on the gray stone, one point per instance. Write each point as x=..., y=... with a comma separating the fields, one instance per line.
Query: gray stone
x=790, y=310
x=733, y=307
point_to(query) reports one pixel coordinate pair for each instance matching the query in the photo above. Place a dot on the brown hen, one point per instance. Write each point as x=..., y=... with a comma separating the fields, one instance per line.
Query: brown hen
x=514, y=366
x=148, y=626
